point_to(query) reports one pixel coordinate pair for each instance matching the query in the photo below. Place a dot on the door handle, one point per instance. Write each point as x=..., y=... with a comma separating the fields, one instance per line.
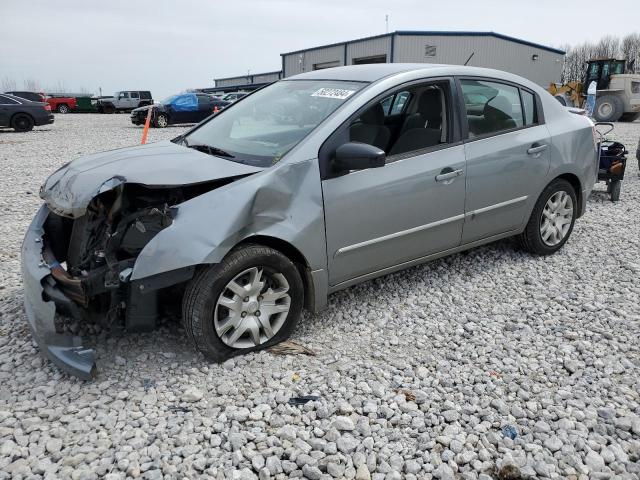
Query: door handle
x=537, y=148
x=448, y=174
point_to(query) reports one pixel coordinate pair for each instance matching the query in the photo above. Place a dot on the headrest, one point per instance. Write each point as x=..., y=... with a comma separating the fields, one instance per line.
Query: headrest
x=498, y=107
x=373, y=115
x=430, y=101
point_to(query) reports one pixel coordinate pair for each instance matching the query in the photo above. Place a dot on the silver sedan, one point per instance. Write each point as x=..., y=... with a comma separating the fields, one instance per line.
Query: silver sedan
x=305, y=187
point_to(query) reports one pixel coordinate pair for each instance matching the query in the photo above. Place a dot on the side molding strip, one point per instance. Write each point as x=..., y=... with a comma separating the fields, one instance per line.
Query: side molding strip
x=473, y=213
x=402, y=233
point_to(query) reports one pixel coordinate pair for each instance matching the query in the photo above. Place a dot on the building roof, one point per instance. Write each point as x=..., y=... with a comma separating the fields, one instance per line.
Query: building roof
x=249, y=75
x=435, y=34
x=373, y=72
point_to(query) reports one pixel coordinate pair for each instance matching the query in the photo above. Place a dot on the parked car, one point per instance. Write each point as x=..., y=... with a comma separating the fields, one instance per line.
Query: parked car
x=62, y=104
x=233, y=96
x=22, y=114
x=33, y=96
x=181, y=108
x=249, y=219
x=123, y=101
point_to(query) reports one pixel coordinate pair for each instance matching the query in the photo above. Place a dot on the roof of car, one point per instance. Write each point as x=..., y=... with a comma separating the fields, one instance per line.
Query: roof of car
x=377, y=71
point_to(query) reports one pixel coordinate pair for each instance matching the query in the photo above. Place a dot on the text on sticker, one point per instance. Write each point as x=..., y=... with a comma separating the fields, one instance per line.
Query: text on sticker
x=338, y=93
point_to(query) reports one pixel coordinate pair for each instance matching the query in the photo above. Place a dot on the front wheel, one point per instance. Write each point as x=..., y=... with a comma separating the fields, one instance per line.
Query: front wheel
x=250, y=301
x=161, y=120
x=552, y=219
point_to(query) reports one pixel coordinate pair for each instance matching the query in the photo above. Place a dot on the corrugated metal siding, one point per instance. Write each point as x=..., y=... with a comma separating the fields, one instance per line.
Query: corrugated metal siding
x=490, y=52
x=303, y=62
x=266, y=77
x=230, y=82
x=369, y=48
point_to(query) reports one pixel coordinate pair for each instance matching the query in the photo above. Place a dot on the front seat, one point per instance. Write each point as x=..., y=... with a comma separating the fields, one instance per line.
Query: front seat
x=429, y=114
x=498, y=115
x=370, y=128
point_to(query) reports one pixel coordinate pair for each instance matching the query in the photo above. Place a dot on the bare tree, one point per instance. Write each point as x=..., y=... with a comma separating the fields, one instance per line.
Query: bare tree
x=630, y=50
x=607, y=47
x=8, y=84
x=31, y=85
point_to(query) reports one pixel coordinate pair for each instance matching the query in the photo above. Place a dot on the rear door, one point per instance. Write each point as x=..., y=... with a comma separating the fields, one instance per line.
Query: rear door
x=135, y=99
x=7, y=108
x=507, y=152
x=205, y=107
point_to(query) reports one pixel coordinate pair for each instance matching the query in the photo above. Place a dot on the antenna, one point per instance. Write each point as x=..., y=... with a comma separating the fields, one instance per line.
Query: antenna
x=386, y=21
x=469, y=59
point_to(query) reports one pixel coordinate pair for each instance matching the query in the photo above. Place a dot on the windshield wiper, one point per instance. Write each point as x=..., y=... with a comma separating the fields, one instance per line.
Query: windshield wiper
x=208, y=149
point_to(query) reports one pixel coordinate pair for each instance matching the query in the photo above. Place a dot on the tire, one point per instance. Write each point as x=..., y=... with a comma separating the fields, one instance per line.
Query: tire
x=22, y=122
x=614, y=190
x=205, y=317
x=63, y=108
x=609, y=108
x=161, y=120
x=629, y=117
x=109, y=109
x=532, y=238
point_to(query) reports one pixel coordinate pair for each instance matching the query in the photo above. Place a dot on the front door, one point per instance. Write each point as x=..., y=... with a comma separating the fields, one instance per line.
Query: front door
x=507, y=157
x=410, y=208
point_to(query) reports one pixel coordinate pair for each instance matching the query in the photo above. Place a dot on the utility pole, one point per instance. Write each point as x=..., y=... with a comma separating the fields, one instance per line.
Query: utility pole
x=386, y=21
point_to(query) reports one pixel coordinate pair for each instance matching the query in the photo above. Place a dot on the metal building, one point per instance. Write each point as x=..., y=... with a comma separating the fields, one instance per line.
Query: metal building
x=243, y=82
x=538, y=63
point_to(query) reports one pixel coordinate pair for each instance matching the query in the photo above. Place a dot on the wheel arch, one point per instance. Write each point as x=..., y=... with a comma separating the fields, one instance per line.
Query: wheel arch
x=21, y=113
x=577, y=188
x=293, y=254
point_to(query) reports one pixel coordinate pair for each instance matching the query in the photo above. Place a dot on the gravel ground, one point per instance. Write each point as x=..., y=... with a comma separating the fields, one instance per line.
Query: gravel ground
x=489, y=364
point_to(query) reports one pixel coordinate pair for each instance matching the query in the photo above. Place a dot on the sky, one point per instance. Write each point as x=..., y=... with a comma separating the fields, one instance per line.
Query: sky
x=169, y=46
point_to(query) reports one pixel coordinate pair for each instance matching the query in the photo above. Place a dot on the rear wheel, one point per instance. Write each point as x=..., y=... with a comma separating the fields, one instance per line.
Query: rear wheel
x=609, y=108
x=250, y=301
x=63, y=108
x=552, y=219
x=161, y=120
x=22, y=122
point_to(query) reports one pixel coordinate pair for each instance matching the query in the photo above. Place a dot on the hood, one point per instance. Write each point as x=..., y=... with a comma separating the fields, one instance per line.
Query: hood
x=69, y=190
x=144, y=108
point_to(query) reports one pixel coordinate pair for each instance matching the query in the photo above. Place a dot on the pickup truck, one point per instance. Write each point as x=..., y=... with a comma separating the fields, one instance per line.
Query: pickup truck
x=124, y=101
x=62, y=104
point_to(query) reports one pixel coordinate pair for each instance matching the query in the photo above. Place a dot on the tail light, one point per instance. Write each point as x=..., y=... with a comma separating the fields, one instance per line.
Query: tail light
x=47, y=107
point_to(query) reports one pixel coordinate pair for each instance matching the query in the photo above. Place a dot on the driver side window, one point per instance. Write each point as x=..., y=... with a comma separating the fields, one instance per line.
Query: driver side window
x=409, y=120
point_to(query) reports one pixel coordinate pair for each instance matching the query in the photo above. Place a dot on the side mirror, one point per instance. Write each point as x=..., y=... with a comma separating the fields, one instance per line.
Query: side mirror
x=358, y=156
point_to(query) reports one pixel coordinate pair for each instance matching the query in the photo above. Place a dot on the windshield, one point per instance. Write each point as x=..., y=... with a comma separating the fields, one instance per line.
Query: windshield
x=168, y=100
x=264, y=126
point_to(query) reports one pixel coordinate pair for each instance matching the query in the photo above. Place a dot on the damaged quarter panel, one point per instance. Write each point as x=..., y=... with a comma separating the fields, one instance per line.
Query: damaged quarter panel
x=284, y=202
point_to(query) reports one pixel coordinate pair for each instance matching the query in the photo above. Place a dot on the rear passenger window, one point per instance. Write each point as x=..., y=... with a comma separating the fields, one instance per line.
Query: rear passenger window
x=491, y=107
x=135, y=95
x=529, y=104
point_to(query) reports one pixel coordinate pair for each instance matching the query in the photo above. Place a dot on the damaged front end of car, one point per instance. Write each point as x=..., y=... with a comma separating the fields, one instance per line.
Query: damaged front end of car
x=80, y=267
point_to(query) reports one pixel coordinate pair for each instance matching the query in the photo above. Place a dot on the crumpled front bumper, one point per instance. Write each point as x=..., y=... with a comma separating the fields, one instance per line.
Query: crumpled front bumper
x=41, y=298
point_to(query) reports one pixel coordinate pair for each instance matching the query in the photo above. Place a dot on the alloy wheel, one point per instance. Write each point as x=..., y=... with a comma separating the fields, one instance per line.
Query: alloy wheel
x=557, y=217
x=252, y=308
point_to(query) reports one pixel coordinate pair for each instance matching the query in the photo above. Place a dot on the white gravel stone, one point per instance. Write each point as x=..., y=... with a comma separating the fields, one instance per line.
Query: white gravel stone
x=444, y=356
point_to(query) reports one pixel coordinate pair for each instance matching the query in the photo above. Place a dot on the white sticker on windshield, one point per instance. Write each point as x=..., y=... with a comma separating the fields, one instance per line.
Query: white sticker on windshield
x=338, y=93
